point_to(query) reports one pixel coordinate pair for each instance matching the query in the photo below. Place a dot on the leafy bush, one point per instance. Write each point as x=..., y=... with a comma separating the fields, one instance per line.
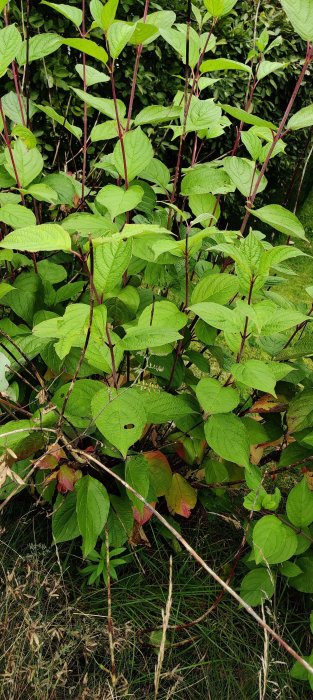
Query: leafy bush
x=146, y=347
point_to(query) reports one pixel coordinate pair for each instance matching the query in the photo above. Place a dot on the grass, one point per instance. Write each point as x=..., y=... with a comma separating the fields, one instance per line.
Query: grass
x=53, y=628
x=54, y=638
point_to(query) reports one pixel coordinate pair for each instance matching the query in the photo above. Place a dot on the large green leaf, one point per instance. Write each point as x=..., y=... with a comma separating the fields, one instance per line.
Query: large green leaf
x=301, y=119
x=300, y=14
x=93, y=76
x=267, y=67
x=120, y=416
x=157, y=114
x=273, y=541
x=38, y=238
x=215, y=398
x=110, y=262
x=138, y=338
x=50, y=112
x=204, y=179
x=299, y=506
x=227, y=435
x=223, y=64
x=64, y=519
x=119, y=33
x=40, y=45
x=118, y=200
x=217, y=288
x=10, y=41
x=28, y=163
x=88, y=47
x=92, y=507
x=17, y=216
x=74, y=14
x=218, y=8
x=217, y=316
x=247, y=117
x=137, y=476
x=257, y=586
x=138, y=153
x=281, y=219
x=78, y=407
x=101, y=104
x=256, y=374
x=304, y=582
x=243, y=174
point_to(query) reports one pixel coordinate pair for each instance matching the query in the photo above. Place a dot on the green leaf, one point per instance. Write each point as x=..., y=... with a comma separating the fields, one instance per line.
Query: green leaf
x=303, y=348
x=162, y=407
x=17, y=216
x=304, y=582
x=43, y=193
x=119, y=33
x=4, y=290
x=78, y=407
x=181, y=498
x=93, y=76
x=108, y=13
x=300, y=14
x=137, y=476
x=110, y=262
x=119, y=416
x=141, y=338
x=256, y=374
x=281, y=219
x=40, y=46
x=216, y=288
x=217, y=316
x=214, y=398
x=74, y=14
x=106, y=131
x=301, y=119
x=243, y=174
x=92, y=507
x=223, y=64
x=117, y=200
x=64, y=519
x=143, y=33
x=247, y=118
x=50, y=112
x=218, y=8
x=38, y=238
x=138, y=153
x=101, y=104
x=88, y=47
x=203, y=179
x=10, y=42
x=162, y=314
x=300, y=412
x=11, y=108
x=252, y=143
x=157, y=114
x=299, y=506
x=29, y=163
x=267, y=67
x=257, y=586
x=156, y=172
x=227, y=436
x=273, y=541
x=25, y=298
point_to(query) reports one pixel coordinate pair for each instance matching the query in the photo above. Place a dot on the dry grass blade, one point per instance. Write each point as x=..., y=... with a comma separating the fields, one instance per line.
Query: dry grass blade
x=165, y=623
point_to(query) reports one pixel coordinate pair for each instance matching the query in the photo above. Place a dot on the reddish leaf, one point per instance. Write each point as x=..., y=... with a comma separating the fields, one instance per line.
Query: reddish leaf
x=268, y=404
x=67, y=477
x=142, y=518
x=160, y=472
x=181, y=497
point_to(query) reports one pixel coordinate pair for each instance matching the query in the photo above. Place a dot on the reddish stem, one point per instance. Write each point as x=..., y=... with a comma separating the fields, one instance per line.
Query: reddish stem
x=135, y=73
x=277, y=137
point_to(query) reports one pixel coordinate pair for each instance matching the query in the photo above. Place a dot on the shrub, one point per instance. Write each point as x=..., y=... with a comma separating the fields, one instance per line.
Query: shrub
x=146, y=347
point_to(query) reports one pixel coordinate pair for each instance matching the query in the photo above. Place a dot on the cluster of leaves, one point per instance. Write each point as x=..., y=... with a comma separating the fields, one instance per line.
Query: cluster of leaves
x=140, y=339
